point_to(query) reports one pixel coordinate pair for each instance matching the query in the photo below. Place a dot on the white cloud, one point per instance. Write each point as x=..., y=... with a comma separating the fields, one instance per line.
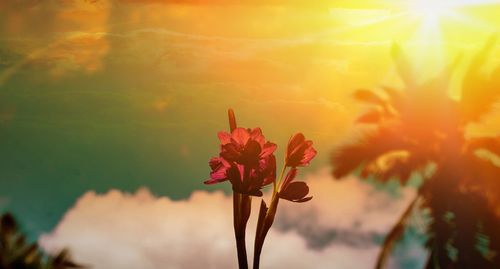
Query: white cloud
x=347, y=204
x=117, y=230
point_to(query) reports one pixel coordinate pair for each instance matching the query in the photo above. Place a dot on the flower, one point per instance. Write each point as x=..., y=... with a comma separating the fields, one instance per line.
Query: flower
x=219, y=170
x=245, y=146
x=294, y=191
x=246, y=160
x=299, y=151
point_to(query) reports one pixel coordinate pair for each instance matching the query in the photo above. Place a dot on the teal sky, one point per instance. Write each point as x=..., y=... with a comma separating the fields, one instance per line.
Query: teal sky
x=87, y=133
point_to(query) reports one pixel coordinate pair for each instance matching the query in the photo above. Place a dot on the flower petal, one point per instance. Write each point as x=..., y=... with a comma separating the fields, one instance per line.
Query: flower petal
x=219, y=175
x=219, y=170
x=256, y=134
x=224, y=137
x=213, y=181
x=309, y=154
x=234, y=175
x=303, y=200
x=268, y=149
x=230, y=152
x=240, y=136
x=295, y=192
x=289, y=177
x=251, y=154
x=295, y=141
x=299, y=151
x=268, y=168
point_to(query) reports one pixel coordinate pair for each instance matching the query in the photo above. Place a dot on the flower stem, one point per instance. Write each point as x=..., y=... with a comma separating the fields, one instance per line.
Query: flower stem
x=242, y=206
x=264, y=223
x=266, y=219
x=241, y=213
x=276, y=186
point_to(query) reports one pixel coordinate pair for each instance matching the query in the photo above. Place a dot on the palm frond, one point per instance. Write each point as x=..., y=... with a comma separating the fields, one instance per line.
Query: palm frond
x=484, y=177
x=402, y=168
x=438, y=192
x=373, y=116
x=490, y=226
x=63, y=260
x=491, y=144
x=403, y=67
x=479, y=91
x=369, y=97
x=395, y=97
x=468, y=209
x=349, y=157
x=16, y=253
x=439, y=85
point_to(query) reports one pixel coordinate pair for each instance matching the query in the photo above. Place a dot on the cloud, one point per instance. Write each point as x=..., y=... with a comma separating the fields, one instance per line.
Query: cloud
x=118, y=230
x=348, y=205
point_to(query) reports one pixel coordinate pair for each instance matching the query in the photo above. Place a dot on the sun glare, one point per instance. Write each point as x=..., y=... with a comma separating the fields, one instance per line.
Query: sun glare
x=429, y=11
x=433, y=10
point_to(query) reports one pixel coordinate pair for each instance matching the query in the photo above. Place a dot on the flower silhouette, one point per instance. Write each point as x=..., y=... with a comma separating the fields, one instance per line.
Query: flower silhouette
x=246, y=160
x=299, y=151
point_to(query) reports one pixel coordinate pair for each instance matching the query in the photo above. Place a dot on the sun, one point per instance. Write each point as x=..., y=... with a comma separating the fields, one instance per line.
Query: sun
x=428, y=25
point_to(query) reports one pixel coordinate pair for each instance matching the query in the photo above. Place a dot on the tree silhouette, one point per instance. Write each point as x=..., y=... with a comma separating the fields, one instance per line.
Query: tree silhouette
x=16, y=253
x=421, y=129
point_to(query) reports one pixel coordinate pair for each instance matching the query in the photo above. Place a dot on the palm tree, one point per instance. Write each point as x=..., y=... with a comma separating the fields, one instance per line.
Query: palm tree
x=16, y=253
x=421, y=129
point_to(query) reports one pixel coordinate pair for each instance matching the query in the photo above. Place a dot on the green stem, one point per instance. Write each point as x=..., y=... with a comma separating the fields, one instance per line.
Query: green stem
x=266, y=219
x=276, y=186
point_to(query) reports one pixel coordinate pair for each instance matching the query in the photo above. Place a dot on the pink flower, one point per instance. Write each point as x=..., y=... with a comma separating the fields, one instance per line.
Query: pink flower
x=294, y=191
x=299, y=151
x=245, y=146
x=246, y=160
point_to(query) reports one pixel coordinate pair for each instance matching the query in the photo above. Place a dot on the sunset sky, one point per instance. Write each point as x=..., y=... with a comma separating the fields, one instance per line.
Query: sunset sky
x=126, y=94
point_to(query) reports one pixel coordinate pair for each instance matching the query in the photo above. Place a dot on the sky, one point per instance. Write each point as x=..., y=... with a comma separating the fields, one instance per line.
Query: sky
x=122, y=99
